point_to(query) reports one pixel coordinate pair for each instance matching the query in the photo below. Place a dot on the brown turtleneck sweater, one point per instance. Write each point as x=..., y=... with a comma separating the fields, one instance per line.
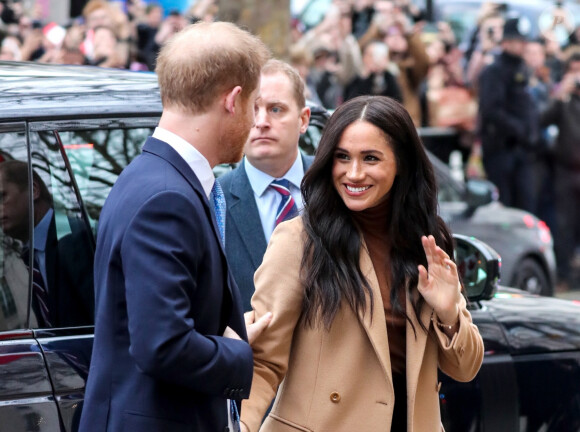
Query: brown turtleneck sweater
x=373, y=224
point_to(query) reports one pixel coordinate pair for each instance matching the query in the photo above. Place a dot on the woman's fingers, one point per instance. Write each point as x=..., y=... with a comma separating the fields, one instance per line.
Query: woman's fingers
x=434, y=254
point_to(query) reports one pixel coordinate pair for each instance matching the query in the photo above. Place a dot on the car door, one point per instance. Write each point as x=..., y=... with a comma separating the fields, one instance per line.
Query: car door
x=81, y=160
x=27, y=400
x=490, y=402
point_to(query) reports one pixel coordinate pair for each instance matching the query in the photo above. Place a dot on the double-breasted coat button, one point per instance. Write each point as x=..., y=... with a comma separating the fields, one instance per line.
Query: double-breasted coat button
x=335, y=397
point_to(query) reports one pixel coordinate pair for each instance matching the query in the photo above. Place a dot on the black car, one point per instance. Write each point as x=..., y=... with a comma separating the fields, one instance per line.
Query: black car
x=74, y=129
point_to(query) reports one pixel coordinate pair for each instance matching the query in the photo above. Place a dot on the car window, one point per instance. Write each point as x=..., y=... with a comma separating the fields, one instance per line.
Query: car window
x=448, y=189
x=63, y=252
x=98, y=152
x=14, y=232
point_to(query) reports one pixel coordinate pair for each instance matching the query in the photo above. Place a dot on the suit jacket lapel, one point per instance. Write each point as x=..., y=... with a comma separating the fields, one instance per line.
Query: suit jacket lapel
x=165, y=151
x=377, y=329
x=306, y=161
x=245, y=216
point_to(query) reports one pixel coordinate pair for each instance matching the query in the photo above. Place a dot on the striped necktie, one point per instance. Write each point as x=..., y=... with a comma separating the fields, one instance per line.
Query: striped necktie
x=39, y=292
x=219, y=206
x=287, y=208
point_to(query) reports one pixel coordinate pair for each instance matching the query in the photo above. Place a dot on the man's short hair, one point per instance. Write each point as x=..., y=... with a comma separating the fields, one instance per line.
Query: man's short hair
x=274, y=66
x=16, y=172
x=205, y=60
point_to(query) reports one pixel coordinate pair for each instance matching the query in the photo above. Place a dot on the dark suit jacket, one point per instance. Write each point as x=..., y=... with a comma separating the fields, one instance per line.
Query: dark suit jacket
x=164, y=297
x=69, y=277
x=508, y=115
x=245, y=241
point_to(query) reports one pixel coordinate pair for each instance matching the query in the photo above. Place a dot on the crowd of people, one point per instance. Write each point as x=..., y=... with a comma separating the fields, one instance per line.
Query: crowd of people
x=387, y=47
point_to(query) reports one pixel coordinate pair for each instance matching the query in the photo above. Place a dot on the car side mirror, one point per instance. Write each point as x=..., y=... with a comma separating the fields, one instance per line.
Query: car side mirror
x=480, y=192
x=478, y=266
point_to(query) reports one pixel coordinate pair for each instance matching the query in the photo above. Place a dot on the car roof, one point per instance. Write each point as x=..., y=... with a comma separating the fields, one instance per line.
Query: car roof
x=40, y=91
x=36, y=91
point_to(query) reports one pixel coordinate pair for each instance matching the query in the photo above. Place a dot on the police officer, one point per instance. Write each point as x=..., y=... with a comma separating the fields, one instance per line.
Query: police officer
x=509, y=119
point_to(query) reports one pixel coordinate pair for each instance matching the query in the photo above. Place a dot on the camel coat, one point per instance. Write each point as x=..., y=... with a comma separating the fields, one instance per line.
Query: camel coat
x=340, y=380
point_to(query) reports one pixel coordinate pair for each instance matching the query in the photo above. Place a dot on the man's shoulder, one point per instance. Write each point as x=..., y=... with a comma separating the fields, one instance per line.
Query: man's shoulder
x=307, y=160
x=227, y=179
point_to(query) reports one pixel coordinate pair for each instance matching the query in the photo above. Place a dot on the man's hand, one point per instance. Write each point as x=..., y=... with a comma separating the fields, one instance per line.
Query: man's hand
x=255, y=328
x=229, y=333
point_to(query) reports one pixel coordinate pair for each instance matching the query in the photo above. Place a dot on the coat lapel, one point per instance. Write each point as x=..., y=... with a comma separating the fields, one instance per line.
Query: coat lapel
x=245, y=216
x=377, y=329
x=166, y=152
x=416, y=346
x=306, y=161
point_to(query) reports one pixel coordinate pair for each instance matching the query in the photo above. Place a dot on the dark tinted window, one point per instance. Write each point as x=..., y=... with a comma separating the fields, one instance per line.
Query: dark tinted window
x=78, y=162
x=97, y=157
x=14, y=232
x=63, y=247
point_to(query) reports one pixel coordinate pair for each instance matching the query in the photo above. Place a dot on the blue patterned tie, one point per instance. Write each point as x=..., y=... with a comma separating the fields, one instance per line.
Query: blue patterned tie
x=287, y=208
x=219, y=206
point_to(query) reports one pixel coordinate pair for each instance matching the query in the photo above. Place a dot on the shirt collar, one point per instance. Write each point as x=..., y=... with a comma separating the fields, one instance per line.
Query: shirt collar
x=41, y=231
x=260, y=181
x=198, y=163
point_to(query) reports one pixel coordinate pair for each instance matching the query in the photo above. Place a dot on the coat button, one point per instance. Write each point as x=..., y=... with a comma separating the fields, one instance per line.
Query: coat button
x=335, y=397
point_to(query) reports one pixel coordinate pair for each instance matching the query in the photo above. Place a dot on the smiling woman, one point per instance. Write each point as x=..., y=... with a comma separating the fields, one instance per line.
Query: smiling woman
x=364, y=168
x=364, y=277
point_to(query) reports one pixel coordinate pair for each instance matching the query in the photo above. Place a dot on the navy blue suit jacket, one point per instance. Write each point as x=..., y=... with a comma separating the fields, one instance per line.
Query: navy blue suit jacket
x=245, y=240
x=164, y=297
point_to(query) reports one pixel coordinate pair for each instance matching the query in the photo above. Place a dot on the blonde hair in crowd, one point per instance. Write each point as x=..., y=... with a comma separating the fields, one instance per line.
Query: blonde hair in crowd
x=205, y=60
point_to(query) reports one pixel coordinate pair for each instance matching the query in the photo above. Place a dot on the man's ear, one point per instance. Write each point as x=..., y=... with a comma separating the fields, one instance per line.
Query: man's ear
x=35, y=190
x=230, y=99
x=304, y=119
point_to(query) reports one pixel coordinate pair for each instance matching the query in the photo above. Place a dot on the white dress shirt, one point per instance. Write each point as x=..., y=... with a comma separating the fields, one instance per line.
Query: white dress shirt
x=191, y=155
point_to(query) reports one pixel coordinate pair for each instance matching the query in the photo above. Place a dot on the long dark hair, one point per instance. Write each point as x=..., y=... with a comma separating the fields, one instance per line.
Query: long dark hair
x=330, y=265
